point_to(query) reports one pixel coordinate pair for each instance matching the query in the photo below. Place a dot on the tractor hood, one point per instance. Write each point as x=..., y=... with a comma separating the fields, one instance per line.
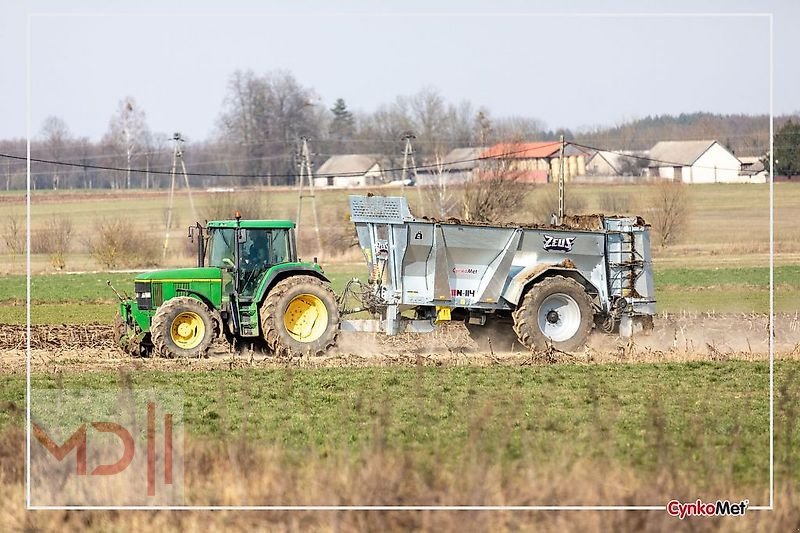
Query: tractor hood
x=184, y=275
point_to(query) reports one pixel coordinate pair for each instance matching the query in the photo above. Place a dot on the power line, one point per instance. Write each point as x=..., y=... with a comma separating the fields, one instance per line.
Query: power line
x=432, y=166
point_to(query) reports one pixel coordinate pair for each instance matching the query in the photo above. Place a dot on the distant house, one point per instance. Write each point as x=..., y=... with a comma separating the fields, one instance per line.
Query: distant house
x=753, y=170
x=534, y=162
x=456, y=167
x=351, y=170
x=617, y=163
x=694, y=162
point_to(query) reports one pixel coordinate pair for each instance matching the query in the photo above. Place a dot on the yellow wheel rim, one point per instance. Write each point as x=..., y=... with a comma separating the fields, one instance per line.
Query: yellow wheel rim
x=188, y=330
x=306, y=318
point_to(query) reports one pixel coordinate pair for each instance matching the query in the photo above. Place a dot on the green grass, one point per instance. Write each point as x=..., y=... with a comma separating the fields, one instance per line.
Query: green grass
x=85, y=298
x=626, y=413
x=63, y=288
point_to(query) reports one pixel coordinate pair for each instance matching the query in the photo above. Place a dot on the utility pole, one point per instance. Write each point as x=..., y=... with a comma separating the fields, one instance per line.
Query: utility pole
x=409, y=164
x=304, y=164
x=561, y=195
x=177, y=157
x=408, y=157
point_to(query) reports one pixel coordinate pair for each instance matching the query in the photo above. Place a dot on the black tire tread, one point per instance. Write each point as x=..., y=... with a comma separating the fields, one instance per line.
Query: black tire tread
x=525, y=316
x=272, y=317
x=159, y=328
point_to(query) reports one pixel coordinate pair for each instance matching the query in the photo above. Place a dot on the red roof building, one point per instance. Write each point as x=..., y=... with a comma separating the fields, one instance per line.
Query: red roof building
x=532, y=162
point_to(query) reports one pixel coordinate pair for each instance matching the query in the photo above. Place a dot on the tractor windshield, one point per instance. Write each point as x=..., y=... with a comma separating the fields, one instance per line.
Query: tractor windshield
x=221, y=248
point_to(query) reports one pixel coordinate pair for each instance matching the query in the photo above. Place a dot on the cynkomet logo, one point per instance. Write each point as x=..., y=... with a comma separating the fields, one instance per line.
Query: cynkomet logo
x=700, y=508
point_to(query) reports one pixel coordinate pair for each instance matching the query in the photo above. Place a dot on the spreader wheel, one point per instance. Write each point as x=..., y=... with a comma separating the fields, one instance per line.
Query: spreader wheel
x=555, y=311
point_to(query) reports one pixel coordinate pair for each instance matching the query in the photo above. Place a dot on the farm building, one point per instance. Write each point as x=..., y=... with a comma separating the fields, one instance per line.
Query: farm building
x=534, y=162
x=457, y=166
x=350, y=170
x=753, y=170
x=694, y=162
x=617, y=163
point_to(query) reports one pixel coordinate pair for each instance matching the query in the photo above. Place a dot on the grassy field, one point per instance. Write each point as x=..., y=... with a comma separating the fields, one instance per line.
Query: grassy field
x=629, y=414
x=562, y=434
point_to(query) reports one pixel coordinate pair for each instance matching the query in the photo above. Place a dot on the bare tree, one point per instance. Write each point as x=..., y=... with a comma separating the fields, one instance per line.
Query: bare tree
x=494, y=193
x=631, y=166
x=53, y=239
x=439, y=195
x=14, y=234
x=262, y=118
x=517, y=129
x=55, y=136
x=669, y=211
x=126, y=132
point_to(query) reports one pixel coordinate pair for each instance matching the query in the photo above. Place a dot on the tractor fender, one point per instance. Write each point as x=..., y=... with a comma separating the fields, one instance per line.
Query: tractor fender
x=276, y=274
x=527, y=277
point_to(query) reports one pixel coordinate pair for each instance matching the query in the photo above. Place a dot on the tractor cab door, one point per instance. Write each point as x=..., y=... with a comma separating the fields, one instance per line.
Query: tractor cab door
x=220, y=254
x=260, y=249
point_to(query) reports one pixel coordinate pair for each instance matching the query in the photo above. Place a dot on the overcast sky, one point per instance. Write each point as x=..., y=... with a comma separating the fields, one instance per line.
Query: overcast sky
x=568, y=71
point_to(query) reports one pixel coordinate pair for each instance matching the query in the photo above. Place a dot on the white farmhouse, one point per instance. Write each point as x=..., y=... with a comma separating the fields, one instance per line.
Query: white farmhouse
x=350, y=170
x=694, y=162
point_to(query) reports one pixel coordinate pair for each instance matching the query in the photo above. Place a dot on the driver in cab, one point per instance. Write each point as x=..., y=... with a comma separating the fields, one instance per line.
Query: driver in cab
x=256, y=253
x=255, y=258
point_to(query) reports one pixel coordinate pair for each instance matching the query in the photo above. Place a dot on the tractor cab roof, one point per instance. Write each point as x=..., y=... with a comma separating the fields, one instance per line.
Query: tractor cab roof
x=252, y=224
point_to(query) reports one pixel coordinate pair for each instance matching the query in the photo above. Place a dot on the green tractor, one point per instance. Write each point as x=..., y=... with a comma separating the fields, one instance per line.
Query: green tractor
x=248, y=286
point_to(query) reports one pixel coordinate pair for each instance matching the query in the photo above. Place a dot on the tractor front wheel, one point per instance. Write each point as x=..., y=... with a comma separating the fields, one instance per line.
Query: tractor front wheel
x=182, y=327
x=300, y=317
x=555, y=311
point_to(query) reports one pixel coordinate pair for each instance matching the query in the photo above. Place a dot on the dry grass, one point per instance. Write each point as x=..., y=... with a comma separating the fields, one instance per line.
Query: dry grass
x=239, y=472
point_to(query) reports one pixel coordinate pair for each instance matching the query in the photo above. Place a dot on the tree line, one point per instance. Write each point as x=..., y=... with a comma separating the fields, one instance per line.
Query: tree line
x=263, y=116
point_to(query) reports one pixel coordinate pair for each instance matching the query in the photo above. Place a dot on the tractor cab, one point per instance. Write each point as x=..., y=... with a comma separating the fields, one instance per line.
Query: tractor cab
x=245, y=252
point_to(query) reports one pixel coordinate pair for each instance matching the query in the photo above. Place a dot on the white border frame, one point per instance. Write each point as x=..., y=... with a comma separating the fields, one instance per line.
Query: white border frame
x=771, y=333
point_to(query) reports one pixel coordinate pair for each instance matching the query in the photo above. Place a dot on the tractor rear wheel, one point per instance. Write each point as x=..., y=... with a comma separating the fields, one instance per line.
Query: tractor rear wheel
x=300, y=317
x=555, y=311
x=182, y=327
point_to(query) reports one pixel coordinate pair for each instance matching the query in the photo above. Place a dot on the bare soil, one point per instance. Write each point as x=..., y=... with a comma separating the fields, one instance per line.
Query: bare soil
x=676, y=338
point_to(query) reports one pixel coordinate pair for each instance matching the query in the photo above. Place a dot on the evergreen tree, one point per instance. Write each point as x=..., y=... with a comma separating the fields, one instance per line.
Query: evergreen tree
x=787, y=150
x=343, y=125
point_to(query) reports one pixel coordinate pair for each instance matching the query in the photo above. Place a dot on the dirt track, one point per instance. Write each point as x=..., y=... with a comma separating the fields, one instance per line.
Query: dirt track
x=676, y=338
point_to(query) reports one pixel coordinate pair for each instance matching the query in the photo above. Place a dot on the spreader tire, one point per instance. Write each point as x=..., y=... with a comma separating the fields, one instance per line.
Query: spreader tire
x=300, y=317
x=182, y=327
x=555, y=311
